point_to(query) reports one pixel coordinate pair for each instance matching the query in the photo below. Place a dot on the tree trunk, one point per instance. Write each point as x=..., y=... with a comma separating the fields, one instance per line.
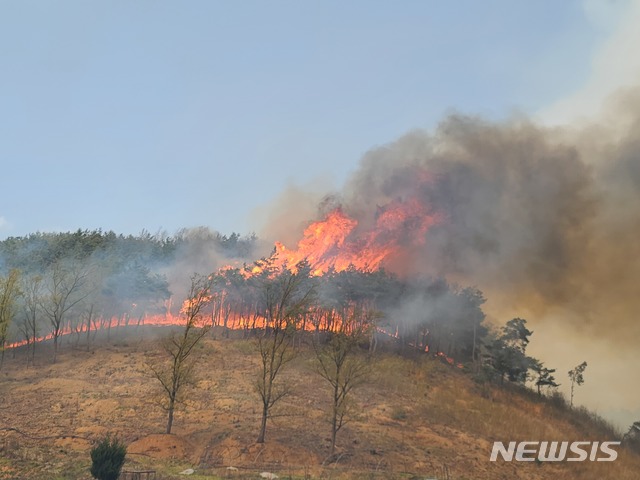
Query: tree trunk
x=571, y=404
x=334, y=431
x=334, y=419
x=473, y=351
x=170, y=419
x=373, y=342
x=89, y=330
x=263, y=424
x=55, y=346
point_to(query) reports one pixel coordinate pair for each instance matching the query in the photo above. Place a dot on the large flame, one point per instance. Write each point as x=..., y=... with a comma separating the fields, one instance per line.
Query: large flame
x=338, y=241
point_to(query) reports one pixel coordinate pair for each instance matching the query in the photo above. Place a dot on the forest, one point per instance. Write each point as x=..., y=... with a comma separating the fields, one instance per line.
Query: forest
x=78, y=282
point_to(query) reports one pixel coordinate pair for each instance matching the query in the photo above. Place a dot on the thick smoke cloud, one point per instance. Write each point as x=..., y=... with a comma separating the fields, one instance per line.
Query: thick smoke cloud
x=514, y=204
x=283, y=219
x=539, y=218
x=202, y=251
x=545, y=221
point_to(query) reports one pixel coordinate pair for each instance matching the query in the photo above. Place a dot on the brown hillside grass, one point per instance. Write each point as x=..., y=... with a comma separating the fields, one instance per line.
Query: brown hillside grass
x=413, y=418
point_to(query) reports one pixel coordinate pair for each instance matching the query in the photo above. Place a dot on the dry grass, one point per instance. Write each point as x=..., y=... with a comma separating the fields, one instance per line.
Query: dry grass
x=413, y=417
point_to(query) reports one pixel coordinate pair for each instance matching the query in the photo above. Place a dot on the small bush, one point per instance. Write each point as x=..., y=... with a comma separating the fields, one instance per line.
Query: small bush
x=107, y=459
x=557, y=400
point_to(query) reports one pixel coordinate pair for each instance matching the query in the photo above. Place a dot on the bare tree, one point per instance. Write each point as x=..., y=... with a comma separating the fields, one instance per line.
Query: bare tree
x=31, y=299
x=285, y=299
x=64, y=291
x=9, y=292
x=176, y=369
x=90, y=306
x=576, y=375
x=340, y=364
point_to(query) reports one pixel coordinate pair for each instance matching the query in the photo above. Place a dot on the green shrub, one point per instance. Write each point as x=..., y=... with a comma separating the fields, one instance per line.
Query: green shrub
x=108, y=458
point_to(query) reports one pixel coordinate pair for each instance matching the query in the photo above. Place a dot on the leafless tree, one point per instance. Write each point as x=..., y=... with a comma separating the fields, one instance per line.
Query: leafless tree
x=341, y=364
x=90, y=307
x=175, y=371
x=285, y=299
x=31, y=299
x=64, y=290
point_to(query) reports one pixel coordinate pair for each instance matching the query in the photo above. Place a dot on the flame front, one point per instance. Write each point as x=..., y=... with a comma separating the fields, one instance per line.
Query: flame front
x=339, y=241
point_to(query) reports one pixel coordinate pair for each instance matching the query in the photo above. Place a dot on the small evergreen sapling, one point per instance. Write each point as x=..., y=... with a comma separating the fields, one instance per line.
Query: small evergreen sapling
x=107, y=459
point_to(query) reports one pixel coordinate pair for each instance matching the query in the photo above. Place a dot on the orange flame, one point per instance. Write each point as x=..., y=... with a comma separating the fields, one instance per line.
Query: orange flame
x=339, y=241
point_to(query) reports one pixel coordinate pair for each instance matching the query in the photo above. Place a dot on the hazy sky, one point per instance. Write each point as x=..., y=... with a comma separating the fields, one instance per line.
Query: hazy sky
x=152, y=114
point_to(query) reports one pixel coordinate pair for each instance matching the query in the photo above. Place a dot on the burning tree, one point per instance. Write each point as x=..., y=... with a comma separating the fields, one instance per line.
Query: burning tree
x=340, y=365
x=134, y=291
x=235, y=299
x=177, y=370
x=285, y=299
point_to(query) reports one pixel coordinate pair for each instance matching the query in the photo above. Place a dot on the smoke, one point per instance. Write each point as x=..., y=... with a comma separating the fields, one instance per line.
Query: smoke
x=544, y=218
x=614, y=64
x=545, y=221
x=537, y=217
x=540, y=219
x=515, y=205
x=283, y=219
x=201, y=251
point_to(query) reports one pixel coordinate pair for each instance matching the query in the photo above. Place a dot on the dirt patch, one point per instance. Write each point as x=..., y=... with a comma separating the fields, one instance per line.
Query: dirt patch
x=163, y=447
x=78, y=444
x=232, y=452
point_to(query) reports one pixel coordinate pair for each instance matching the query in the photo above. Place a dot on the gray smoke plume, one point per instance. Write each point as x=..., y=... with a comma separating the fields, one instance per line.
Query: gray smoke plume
x=202, y=251
x=527, y=213
x=545, y=221
x=536, y=217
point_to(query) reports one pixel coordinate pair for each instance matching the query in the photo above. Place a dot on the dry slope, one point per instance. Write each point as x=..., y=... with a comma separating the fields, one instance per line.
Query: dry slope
x=416, y=418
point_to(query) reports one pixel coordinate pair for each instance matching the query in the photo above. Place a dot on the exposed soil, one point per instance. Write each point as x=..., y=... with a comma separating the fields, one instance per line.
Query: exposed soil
x=414, y=418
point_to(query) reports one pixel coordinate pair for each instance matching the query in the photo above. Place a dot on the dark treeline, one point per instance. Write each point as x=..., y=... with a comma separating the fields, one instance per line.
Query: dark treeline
x=37, y=252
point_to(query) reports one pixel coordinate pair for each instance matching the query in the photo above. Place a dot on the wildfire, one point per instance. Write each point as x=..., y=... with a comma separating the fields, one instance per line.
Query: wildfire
x=335, y=243
x=161, y=320
x=338, y=241
x=191, y=304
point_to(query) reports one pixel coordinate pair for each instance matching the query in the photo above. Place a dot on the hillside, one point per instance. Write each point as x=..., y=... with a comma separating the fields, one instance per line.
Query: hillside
x=417, y=418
